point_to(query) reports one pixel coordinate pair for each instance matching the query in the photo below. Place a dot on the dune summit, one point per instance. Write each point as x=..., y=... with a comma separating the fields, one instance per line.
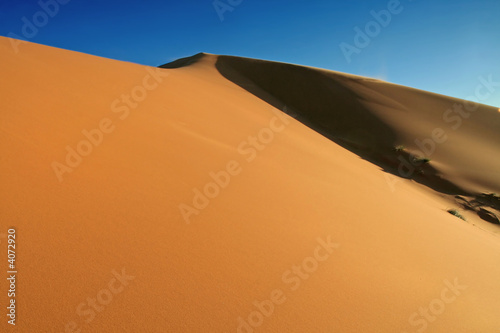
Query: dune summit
x=224, y=194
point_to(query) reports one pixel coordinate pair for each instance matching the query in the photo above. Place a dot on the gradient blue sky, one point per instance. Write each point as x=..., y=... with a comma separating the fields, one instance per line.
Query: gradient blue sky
x=441, y=46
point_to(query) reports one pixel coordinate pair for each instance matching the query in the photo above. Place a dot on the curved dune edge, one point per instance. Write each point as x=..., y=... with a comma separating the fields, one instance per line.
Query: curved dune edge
x=306, y=225
x=386, y=123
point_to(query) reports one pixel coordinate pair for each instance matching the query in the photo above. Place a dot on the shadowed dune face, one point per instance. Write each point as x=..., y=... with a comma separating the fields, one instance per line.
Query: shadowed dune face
x=322, y=102
x=371, y=117
x=305, y=237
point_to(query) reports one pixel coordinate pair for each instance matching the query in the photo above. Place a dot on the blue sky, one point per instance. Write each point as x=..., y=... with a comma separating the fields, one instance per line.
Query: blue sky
x=441, y=46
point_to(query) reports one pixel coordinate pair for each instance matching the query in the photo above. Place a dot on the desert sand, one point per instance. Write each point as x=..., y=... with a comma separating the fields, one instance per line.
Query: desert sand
x=224, y=194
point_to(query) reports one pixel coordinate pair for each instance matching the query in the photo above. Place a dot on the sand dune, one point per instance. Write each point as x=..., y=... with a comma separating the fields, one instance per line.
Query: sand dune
x=183, y=199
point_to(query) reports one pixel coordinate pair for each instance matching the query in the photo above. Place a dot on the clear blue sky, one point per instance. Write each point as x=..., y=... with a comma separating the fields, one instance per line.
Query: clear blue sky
x=441, y=46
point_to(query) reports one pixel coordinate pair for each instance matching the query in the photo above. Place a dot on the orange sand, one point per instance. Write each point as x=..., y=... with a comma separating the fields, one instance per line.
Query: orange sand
x=118, y=208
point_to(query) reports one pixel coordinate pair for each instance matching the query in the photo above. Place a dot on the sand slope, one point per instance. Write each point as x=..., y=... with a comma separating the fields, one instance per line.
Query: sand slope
x=287, y=192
